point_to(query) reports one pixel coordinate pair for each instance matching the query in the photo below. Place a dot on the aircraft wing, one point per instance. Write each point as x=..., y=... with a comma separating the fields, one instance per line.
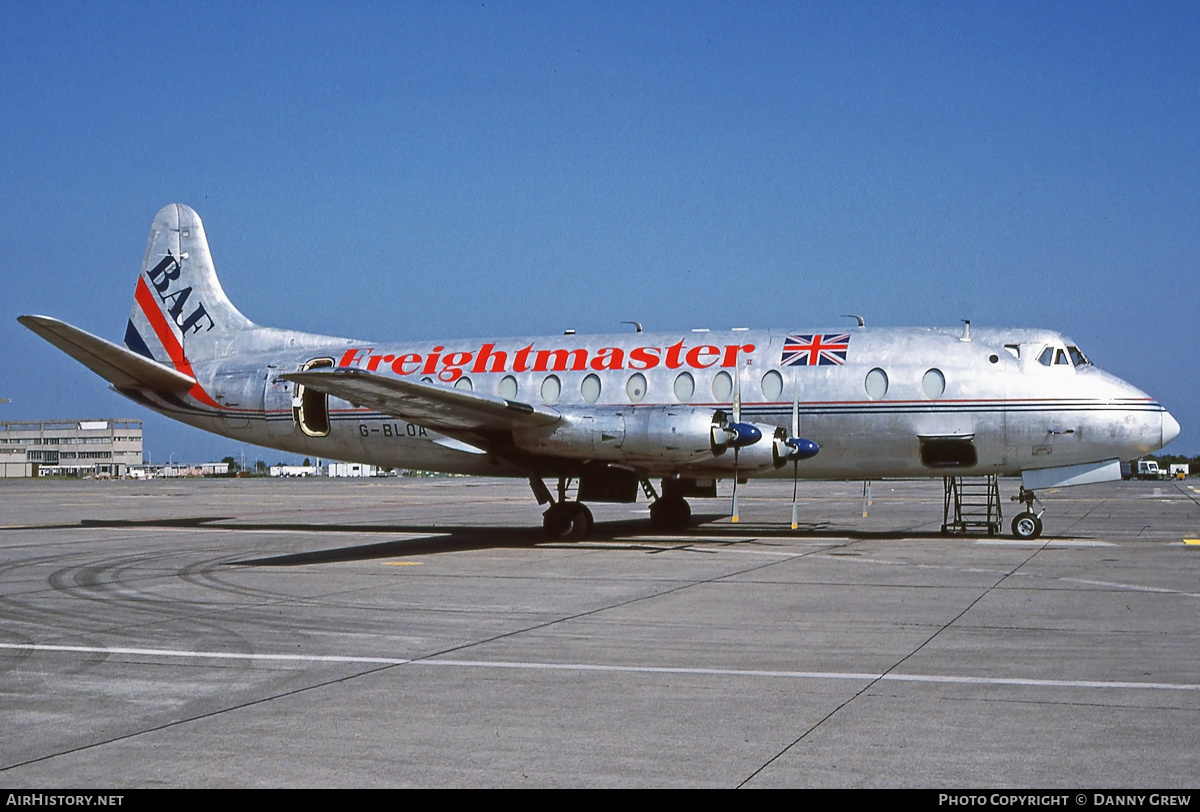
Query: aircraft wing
x=121, y=367
x=434, y=407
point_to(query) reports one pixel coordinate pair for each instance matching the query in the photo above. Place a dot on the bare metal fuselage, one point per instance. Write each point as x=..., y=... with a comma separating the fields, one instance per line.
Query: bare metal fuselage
x=1016, y=413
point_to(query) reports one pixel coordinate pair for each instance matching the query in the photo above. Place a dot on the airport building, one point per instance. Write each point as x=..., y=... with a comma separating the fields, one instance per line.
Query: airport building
x=30, y=448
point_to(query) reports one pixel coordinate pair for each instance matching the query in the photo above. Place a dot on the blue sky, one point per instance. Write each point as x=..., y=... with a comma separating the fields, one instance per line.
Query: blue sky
x=426, y=170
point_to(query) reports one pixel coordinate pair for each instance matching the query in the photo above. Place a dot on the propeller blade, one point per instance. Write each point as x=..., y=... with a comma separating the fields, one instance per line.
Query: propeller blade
x=737, y=440
x=737, y=395
x=734, y=517
x=796, y=461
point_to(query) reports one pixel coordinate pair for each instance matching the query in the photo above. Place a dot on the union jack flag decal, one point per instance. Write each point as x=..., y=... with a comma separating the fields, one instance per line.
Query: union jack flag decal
x=815, y=349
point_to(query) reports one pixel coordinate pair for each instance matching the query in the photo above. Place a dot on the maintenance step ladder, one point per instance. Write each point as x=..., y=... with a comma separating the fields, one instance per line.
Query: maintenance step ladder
x=972, y=503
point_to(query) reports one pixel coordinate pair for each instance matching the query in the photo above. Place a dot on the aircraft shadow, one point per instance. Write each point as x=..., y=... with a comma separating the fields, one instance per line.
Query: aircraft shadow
x=449, y=539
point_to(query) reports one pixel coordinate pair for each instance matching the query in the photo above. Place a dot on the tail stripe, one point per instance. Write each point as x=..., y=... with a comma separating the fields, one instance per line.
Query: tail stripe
x=133, y=340
x=145, y=300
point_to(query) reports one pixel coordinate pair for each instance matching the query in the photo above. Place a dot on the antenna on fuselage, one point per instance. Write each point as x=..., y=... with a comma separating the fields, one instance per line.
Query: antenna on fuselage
x=966, y=336
x=637, y=325
x=861, y=321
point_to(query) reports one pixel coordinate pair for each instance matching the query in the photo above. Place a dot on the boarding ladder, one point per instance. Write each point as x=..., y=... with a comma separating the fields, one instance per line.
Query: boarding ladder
x=972, y=502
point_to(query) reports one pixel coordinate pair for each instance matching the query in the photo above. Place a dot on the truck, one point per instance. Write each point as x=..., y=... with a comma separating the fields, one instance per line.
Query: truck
x=1142, y=469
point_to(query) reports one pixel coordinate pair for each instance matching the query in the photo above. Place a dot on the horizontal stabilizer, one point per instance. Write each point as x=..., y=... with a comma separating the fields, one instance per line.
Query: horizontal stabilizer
x=122, y=368
x=434, y=407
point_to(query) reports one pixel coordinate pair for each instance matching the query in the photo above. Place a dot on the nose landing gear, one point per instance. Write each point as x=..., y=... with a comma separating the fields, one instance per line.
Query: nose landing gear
x=1028, y=524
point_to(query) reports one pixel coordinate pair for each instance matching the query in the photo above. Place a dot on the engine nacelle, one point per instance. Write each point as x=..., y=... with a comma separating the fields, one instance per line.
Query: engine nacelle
x=592, y=435
x=656, y=434
x=675, y=434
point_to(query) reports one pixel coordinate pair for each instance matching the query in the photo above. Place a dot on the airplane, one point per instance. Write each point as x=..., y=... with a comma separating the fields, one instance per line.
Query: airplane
x=611, y=413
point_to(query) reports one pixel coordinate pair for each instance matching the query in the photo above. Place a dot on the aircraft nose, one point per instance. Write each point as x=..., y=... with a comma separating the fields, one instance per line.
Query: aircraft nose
x=1170, y=428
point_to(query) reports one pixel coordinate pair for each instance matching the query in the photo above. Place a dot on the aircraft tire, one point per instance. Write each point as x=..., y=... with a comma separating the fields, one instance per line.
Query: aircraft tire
x=1026, y=526
x=581, y=522
x=567, y=521
x=670, y=514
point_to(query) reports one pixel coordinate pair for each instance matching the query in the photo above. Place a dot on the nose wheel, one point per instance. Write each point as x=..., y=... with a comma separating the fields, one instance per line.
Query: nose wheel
x=1028, y=524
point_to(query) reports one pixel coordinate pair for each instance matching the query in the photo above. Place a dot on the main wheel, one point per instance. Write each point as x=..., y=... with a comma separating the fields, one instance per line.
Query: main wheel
x=567, y=521
x=670, y=514
x=1026, y=526
x=582, y=521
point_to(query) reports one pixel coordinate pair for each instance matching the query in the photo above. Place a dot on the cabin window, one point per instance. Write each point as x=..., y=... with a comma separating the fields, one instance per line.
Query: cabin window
x=590, y=388
x=310, y=408
x=551, y=389
x=464, y=383
x=933, y=383
x=685, y=387
x=507, y=387
x=722, y=387
x=772, y=385
x=635, y=387
x=876, y=383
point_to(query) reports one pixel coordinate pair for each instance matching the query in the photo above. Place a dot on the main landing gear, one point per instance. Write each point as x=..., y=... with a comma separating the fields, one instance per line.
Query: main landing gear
x=567, y=521
x=1028, y=524
x=669, y=513
x=570, y=520
x=564, y=520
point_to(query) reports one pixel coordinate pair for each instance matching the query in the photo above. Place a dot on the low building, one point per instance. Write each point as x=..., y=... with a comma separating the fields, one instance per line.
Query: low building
x=105, y=447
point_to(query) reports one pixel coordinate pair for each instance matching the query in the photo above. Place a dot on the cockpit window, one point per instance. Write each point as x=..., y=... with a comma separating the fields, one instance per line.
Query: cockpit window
x=1014, y=349
x=1078, y=357
x=1057, y=356
x=1054, y=356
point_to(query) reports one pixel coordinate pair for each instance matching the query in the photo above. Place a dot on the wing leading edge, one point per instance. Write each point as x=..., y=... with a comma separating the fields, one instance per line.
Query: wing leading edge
x=434, y=407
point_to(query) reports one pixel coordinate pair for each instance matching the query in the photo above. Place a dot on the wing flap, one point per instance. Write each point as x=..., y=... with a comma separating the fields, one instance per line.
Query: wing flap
x=434, y=407
x=121, y=367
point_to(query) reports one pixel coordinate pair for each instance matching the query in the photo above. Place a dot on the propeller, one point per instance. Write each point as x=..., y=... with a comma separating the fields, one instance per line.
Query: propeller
x=733, y=434
x=726, y=433
x=795, y=448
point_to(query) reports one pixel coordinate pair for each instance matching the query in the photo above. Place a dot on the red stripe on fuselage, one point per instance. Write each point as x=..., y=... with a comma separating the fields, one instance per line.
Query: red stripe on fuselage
x=166, y=337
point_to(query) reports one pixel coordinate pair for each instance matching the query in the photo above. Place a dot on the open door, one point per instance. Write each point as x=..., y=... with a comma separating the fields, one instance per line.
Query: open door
x=310, y=408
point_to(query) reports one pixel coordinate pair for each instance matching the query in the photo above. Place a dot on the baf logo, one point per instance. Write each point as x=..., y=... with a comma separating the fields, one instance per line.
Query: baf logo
x=162, y=277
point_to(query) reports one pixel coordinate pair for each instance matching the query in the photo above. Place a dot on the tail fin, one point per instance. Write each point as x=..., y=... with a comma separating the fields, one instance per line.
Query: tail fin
x=180, y=313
